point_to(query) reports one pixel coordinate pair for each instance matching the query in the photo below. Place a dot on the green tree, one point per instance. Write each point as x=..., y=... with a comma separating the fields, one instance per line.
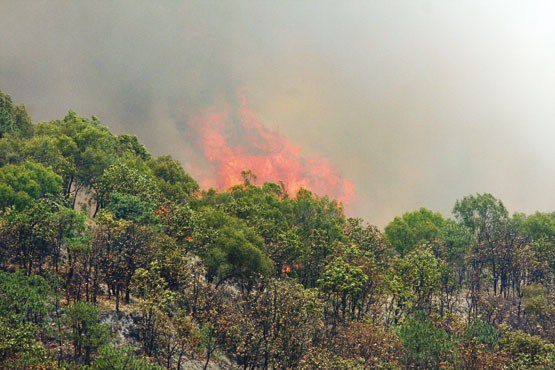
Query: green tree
x=319, y=224
x=89, y=147
x=174, y=183
x=130, y=145
x=229, y=248
x=130, y=184
x=413, y=282
x=539, y=228
x=488, y=221
x=132, y=208
x=31, y=235
x=23, y=311
x=87, y=333
x=425, y=345
x=527, y=351
x=13, y=118
x=407, y=232
x=124, y=358
x=273, y=326
x=22, y=183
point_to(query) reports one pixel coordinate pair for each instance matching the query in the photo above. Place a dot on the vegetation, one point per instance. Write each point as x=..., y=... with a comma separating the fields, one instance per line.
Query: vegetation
x=112, y=258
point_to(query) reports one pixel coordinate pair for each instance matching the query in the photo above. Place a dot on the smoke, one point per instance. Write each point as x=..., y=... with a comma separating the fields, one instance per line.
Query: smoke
x=418, y=103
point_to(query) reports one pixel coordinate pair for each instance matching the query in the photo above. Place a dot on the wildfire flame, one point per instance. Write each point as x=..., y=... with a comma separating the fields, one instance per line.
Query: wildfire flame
x=234, y=140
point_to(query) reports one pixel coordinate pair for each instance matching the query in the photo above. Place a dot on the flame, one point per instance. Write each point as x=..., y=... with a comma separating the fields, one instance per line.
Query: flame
x=234, y=140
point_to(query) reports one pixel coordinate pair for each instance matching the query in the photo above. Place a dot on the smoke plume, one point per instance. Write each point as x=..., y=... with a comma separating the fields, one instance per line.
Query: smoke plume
x=417, y=103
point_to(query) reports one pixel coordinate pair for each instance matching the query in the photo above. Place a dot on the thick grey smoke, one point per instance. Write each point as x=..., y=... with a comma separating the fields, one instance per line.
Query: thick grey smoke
x=418, y=102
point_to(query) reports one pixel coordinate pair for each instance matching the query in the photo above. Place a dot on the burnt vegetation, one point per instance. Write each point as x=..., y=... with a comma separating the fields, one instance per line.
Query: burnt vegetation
x=114, y=259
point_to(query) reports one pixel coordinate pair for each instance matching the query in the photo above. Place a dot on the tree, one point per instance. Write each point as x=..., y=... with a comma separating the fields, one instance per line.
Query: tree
x=156, y=302
x=478, y=348
x=22, y=183
x=121, y=359
x=229, y=248
x=126, y=181
x=31, y=235
x=488, y=221
x=527, y=351
x=344, y=281
x=319, y=223
x=174, y=183
x=13, y=119
x=23, y=310
x=87, y=333
x=122, y=248
x=132, y=208
x=539, y=228
x=89, y=147
x=371, y=343
x=349, y=280
x=413, y=282
x=274, y=326
x=369, y=239
x=414, y=228
x=130, y=145
x=425, y=345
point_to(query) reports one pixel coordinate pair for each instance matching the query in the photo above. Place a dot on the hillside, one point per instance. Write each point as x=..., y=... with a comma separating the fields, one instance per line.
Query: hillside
x=111, y=258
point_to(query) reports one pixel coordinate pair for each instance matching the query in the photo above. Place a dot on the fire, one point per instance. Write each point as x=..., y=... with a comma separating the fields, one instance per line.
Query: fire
x=234, y=140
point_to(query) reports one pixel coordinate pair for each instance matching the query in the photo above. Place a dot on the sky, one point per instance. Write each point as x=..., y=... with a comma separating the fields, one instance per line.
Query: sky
x=418, y=103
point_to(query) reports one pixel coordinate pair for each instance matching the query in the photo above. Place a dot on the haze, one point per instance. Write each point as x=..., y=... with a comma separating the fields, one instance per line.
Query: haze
x=419, y=103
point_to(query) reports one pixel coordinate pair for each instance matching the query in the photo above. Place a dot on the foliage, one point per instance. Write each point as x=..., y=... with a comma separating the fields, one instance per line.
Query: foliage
x=21, y=184
x=125, y=358
x=87, y=333
x=425, y=345
x=23, y=308
x=172, y=180
x=528, y=351
x=230, y=249
x=413, y=228
x=13, y=118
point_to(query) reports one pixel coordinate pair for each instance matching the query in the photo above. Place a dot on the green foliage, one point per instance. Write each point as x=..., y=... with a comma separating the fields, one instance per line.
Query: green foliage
x=416, y=279
x=130, y=145
x=82, y=149
x=425, y=345
x=229, y=248
x=87, y=333
x=21, y=184
x=481, y=332
x=342, y=277
x=110, y=357
x=457, y=241
x=23, y=296
x=23, y=308
x=481, y=213
x=13, y=119
x=369, y=240
x=132, y=208
x=528, y=351
x=273, y=326
x=414, y=228
x=121, y=247
x=31, y=235
x=172, y=180
x=129, y=185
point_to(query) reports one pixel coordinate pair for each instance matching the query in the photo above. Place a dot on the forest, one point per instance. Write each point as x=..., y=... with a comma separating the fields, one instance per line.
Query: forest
x=112, y=258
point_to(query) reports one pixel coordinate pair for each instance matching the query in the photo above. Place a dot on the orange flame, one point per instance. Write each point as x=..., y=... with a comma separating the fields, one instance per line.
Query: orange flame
x=234, y=140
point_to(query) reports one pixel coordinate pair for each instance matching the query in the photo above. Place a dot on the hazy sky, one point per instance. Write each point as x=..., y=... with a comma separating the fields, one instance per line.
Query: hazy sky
x=419, y=103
